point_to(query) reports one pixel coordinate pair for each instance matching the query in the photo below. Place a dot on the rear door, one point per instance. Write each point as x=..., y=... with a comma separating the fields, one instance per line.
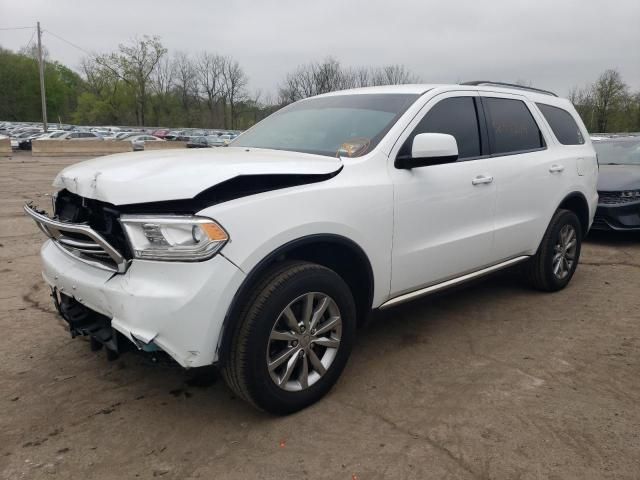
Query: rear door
x=527, y=174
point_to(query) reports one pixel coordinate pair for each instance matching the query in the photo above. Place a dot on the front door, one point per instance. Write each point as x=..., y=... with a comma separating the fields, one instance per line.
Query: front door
x=443, y=214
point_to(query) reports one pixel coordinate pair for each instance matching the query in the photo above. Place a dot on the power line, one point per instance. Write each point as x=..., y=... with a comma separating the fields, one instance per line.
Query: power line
x=15, y=28
x=30, y=40
x=70, y=43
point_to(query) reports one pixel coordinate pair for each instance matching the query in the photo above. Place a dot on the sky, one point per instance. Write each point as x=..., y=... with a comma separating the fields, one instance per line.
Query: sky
x=550, y=44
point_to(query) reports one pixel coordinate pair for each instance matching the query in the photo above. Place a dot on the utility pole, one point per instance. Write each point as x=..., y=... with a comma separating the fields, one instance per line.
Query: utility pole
x=42, y=92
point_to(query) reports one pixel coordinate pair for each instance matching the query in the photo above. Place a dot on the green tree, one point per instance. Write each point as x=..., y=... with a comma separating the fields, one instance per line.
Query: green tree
x=20, y=92
x=134, y=63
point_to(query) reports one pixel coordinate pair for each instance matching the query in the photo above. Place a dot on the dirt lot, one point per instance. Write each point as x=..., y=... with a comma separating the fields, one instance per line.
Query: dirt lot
x=493, y=381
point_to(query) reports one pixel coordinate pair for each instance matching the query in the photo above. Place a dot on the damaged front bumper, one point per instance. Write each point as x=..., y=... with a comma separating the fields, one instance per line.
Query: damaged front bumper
x=176, y=307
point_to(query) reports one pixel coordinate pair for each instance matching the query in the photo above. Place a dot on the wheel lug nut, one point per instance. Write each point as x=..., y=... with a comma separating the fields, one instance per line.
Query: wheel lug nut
x=294, y=343
x=302, y=329
x=313, y=331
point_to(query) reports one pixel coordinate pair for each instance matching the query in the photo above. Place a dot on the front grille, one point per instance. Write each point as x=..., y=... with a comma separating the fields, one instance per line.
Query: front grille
x=83, y=246
x=617, y=198
x=102, y=217
x=79, y=240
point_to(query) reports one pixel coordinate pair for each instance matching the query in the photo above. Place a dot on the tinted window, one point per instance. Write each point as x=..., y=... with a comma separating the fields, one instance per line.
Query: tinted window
x=563, y=125
x=456, y=116
x=511, y=126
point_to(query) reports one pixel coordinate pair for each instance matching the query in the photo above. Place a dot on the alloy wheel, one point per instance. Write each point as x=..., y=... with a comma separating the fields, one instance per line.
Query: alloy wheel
x=304, y=341
x=564, y=252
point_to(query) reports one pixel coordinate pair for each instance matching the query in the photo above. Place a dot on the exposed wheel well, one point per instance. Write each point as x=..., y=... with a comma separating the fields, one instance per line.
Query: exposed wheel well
x=340, y=254
x=578, y=205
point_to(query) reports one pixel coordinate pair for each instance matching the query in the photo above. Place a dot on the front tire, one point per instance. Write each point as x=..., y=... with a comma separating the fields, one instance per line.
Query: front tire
x=292, y=338
x=553, y=266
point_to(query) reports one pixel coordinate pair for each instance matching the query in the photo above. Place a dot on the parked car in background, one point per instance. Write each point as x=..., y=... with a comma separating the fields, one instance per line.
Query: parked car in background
x=25, y=143
x=205, y=142
x=79, y=136
x=122, y=135
x=103, y=132
x=19, y=138
x=161, y=133
x=198, y=142
x=264, y=256
x=172, y=135
x=618, y=183
x=138, y=141
x=225, y=139
x=51, y=134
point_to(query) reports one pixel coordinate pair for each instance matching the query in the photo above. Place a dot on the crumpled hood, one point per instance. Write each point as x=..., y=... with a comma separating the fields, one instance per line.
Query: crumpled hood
x=614, y=178
x=140, y=177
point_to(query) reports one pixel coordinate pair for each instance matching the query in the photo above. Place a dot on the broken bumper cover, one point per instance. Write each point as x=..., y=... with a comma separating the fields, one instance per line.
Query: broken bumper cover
x=178, y=307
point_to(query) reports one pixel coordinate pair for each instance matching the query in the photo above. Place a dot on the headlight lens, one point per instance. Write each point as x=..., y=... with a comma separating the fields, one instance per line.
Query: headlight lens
x=173, y=238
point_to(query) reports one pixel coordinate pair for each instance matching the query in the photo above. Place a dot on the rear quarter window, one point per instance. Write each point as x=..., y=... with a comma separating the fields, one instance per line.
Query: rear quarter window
x=563, y=125
x=512, y=128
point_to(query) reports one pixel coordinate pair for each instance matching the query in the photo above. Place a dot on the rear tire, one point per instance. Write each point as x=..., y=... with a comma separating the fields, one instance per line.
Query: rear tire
x=556, y=260
x=292, y=338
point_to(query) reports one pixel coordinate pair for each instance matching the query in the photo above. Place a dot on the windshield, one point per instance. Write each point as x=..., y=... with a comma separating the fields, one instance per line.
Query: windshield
x=344, y=125
x=624, y=151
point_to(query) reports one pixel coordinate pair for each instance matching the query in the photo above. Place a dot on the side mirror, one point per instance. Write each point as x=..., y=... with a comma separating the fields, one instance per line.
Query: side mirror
x=429, y=149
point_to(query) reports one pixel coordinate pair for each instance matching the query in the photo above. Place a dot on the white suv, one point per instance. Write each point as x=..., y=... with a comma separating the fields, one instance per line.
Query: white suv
x=263, y=257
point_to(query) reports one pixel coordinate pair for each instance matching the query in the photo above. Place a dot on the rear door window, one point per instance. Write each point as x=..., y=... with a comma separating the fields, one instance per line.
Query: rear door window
x=455, y=116
x=563, y=125
x=512, y=128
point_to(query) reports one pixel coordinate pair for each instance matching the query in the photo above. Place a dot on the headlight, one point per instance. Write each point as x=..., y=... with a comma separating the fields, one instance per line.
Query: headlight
x=173, y=238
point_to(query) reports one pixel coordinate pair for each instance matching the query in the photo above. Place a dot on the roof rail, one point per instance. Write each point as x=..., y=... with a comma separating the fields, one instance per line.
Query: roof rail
x=508, y=85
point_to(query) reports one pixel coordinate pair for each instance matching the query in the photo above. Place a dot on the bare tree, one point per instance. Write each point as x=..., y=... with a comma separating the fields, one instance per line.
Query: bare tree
x=609, y=93
x=31, y=50
x=162, y=86
x=185, y=83
x=328, y=76
x=210, y=73
x=99, y=80
x=134, y=63
x=235, y=82
x=392, y=75
x=582, y=99
x=162, y=80
x=361, y=77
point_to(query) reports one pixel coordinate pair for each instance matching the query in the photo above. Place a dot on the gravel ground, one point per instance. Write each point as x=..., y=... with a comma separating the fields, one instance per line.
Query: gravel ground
x=490, y=381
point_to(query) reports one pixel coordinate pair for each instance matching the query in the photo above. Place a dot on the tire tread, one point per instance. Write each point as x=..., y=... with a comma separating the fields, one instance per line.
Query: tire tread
x=236, y=362
x=535, y=270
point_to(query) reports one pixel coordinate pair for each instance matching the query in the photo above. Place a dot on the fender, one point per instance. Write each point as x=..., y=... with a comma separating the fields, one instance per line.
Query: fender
x=261, y=267
x=578, y=204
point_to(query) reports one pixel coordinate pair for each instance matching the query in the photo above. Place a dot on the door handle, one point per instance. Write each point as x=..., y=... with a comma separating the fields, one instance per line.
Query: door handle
x=555, y=168
x=482, y=179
